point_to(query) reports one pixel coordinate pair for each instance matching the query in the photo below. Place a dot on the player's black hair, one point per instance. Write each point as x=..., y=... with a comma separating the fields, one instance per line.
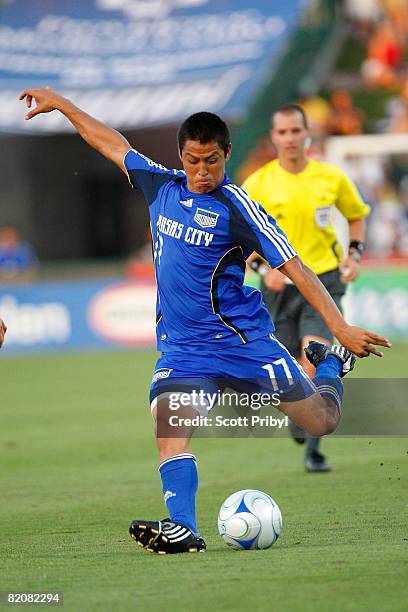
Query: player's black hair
x=204, y=127
x=288, y=109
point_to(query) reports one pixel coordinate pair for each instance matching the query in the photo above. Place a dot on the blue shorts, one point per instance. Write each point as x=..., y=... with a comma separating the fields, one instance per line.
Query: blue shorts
x=260, y=366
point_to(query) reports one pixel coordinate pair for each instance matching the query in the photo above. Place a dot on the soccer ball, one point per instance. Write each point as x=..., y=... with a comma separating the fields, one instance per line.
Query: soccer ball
x=249, y=519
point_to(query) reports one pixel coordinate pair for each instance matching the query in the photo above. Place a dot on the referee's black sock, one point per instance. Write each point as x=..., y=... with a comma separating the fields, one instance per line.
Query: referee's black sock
x=312, y=446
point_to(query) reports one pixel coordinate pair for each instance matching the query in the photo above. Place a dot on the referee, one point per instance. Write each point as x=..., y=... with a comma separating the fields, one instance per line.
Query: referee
x=300, y=194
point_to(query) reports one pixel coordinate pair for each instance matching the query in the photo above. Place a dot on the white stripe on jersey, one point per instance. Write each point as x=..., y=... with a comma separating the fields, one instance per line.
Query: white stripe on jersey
x=260, y=218
x=258, y=210
x=248, y=205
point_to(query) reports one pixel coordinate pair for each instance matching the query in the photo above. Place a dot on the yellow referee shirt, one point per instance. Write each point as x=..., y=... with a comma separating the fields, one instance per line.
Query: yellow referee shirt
x=302, y=205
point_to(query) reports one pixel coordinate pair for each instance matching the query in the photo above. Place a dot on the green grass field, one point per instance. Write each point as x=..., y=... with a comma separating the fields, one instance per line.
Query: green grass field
x=78, y=462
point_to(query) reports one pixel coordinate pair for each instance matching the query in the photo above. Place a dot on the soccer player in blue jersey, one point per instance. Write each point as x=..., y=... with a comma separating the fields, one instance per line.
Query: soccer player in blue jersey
x=209, y=326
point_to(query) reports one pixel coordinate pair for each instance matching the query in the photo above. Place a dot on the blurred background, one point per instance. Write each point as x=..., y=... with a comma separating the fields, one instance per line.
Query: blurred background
x=75, y=257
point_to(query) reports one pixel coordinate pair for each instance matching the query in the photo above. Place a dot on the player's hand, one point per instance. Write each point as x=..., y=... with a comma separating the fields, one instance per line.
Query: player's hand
x=362, y=342
x=274, y=280
x=3, y=329
x=349, y=269
x=45, y=98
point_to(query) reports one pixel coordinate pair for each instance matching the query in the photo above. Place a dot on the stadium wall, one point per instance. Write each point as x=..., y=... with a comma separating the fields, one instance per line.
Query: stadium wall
x=68, y=201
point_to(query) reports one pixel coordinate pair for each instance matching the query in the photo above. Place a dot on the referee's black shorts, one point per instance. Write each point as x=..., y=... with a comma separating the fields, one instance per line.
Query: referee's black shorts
x=295, y=318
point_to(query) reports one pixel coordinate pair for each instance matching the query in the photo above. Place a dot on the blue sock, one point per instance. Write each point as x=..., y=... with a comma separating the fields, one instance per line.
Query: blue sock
x=328, y=381
x=180, y=482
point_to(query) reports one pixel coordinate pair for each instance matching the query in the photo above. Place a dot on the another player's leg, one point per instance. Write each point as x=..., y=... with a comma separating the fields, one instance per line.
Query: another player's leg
x=178, y=471
x=313, y=328
x=315, y=460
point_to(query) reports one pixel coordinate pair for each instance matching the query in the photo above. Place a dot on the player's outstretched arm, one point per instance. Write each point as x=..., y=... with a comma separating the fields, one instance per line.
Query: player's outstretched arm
x=360, y=341
x=3, y=329
x=110, y=143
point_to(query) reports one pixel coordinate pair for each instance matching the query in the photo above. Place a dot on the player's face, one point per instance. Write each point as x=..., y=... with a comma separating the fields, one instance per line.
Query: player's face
x=204, y=165
x=289, y=135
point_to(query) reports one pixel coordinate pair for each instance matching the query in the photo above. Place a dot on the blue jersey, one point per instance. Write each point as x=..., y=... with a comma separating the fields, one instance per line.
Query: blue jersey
x=201, y=242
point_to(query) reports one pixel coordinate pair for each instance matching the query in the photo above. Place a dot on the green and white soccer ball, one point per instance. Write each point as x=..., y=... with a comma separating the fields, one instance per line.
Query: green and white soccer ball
x=249, y=520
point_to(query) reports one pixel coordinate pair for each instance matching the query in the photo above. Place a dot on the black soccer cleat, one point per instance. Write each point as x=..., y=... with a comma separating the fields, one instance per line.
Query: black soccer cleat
x=144, y=532
x=165, y=537
x=316, y=462
x=316, y=352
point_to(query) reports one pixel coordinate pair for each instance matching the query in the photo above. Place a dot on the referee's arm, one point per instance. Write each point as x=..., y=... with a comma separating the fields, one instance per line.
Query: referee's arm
x=110, y=143
x=359, y=341
x=350, y=266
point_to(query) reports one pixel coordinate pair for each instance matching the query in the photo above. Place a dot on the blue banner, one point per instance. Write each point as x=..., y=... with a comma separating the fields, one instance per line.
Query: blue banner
x=116, y=313
x=139, y=62
x=77, y=315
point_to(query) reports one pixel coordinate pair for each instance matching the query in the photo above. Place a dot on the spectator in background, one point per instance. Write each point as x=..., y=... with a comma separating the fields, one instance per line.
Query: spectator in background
x=389, y=225
x=318, y=112
x=385, y=53
x=398, y=116
x=363, y=13
x=140, y=262
x=383, y=182
x=346, y=119
x=16, y=255
x=368, y=173
x=397, y=11
x=404, y=87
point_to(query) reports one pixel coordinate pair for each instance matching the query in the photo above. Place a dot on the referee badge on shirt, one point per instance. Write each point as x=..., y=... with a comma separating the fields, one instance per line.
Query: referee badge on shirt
x=205, y=218
x=323, y=216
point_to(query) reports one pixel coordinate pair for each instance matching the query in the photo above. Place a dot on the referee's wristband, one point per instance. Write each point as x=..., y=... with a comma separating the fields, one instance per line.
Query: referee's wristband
x=259, y=266
x=355, y=255
x=356, y=249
